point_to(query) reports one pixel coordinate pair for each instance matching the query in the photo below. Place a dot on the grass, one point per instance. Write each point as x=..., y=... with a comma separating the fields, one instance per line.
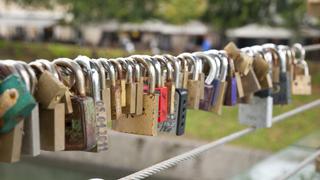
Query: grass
x=200, y=125
x=209, y=126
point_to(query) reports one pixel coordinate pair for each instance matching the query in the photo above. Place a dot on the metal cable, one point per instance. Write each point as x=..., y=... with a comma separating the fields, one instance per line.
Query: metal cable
x=312, y=47
x=197, y=151
x=304, y=163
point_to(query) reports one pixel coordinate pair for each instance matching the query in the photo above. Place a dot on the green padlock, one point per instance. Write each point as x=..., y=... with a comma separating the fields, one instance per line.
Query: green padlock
x=23, y=106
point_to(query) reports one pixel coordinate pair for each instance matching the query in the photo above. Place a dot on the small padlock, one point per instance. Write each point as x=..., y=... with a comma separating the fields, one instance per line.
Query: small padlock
x=231, y=90
x=301, y=83
x=94, y=90
x=31, y=138
x=193, y=83
x=139, y=84
x=131, y=88
x=217, y=107
x=120, y=80
x=147, y=122
x=81, y=124
x=206, y=102
x=161, y=90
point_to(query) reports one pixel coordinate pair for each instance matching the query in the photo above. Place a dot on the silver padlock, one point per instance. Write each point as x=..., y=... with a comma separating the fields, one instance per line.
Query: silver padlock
x=258, y=112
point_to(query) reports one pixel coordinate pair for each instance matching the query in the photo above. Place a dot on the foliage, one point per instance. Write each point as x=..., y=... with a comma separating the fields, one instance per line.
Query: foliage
x=221, y=14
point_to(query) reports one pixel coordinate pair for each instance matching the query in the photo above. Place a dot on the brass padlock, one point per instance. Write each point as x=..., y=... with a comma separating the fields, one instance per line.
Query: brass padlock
x=131, y=88
x=138, y=80
x=120, y=80
x=147, y=122
x=193, y=83
x=301, y=82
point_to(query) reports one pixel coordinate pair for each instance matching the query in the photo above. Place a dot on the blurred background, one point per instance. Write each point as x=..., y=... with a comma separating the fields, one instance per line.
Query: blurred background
x=48, y=29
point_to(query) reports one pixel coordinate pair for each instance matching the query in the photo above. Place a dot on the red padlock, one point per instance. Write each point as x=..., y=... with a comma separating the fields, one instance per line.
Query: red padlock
x=160, y=89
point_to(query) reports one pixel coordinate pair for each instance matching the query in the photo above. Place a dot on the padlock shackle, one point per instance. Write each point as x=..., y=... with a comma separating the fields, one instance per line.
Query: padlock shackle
x=224, y=65
x=212, y=64
x=32, y=75
x=97, y=65
x=128, y=68
x=151, y=71
x=298, y=51
x=271, y=48
x=136, y=68
x=118, y=68
x=77, y=72
x=216, y=57
x=37, y=66
x=305, y=67
x=49, y=66
x=282, y=50
x=176, y=67
x=191, y=59
x=157, y=68
x=84, y=63
x=166, y=64
x=21, y=71
x=109, y=69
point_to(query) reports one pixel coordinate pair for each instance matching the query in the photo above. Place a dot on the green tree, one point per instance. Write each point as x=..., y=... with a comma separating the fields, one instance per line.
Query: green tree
x=181, y=11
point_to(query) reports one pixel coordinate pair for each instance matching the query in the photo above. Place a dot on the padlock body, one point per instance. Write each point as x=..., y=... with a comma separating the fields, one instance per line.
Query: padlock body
x=50, y=90
x=257, y=113
x=80, y=125
x=205, y=103
x=231, y=92
x=163, y=103
x=182, y=96
x=31, y=138
x=10, y=144
x=144, y=124
x=193, y=94
x=282, y=95
x=52, y=128
x=250, y=83
x=101, y=127
x=301, y=85
x=115, y=102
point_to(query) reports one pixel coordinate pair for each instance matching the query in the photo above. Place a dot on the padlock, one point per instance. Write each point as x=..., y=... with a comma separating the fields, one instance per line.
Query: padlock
x=194, y=83
x=170, y=123
x=31, y=138
x=81, y=124
x=120, y=79
x=281, y=78
x=160, y=89
x=217, y=107
x=216, y=83
x=258, y=111
x=114, y=89
x=131, y=88
x=231, y=90
x=147, y=122
x=52, y=118
x=138, y=80
x=94, y=90
x=301, y=82
x=206, y=102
